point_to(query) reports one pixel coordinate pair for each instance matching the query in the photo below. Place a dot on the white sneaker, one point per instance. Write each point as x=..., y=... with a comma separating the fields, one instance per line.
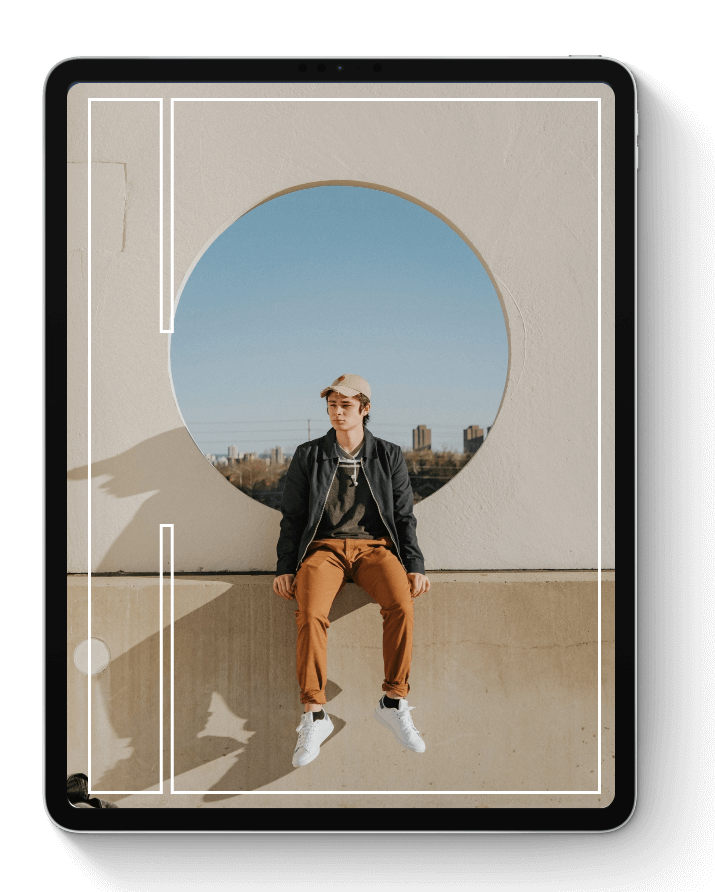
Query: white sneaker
x=310, y=735
x=399, y=721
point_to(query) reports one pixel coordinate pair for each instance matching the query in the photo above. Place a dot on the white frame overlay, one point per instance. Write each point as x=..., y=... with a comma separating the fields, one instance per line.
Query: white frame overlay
x=160, y=791
x=170, y=330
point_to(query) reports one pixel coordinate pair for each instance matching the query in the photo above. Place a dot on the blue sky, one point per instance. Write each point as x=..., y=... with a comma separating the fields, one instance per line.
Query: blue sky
x=328, y=281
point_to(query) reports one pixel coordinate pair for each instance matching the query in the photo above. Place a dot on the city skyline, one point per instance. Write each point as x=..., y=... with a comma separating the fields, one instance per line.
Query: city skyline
x=473, y=438
x=328, y=281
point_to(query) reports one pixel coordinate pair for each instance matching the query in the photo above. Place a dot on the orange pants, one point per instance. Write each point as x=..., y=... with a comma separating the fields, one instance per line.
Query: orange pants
x=373, y=565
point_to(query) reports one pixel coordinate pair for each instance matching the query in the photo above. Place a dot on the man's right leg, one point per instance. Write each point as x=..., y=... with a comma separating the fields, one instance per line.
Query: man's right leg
x=318, y=581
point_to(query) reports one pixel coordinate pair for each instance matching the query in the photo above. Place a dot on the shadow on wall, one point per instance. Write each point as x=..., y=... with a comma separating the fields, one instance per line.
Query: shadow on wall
x=236, y=694
x=158, y=466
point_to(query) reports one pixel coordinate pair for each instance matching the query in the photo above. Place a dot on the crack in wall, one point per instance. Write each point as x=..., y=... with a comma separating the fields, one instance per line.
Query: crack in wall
x=452, y=644
x=519, y=646
x=124, y=215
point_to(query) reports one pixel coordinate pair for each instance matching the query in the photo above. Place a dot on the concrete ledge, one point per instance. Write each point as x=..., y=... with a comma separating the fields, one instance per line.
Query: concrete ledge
x=504, y=678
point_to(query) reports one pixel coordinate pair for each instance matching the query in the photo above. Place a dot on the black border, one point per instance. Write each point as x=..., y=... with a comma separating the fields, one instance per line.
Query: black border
x=227, y=70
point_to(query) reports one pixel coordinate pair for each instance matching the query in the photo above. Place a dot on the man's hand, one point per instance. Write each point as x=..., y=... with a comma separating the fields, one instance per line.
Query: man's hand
x=418, y=583
x=285, y=586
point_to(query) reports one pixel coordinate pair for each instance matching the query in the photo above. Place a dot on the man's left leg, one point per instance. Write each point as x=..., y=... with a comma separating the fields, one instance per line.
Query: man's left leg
x=377, y=569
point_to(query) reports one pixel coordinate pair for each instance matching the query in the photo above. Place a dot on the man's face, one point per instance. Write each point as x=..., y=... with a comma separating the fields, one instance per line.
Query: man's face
x=344, y=411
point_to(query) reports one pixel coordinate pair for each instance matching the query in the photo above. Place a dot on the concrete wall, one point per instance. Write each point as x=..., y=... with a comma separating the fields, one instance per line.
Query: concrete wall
x=513, y=655
x=518, y=180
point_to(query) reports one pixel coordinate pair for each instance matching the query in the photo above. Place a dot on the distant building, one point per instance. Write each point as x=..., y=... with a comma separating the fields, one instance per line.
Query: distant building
x=277, y=457
x=249, y=456
x=233, y=453
x=421, y=438
x=211, y=457
x=473, y=438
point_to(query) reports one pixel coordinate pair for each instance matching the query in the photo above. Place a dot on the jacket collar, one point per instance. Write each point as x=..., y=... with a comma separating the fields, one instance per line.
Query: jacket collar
x=329, y=444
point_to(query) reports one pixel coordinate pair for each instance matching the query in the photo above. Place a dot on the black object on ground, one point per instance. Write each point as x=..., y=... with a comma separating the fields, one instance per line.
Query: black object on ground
x=78, y=793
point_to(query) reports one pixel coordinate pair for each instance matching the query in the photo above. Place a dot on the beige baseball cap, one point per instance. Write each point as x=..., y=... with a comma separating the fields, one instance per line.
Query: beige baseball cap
x=348, y=385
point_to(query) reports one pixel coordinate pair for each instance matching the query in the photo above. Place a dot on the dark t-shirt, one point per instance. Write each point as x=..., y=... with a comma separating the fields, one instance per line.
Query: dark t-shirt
x=350, y=510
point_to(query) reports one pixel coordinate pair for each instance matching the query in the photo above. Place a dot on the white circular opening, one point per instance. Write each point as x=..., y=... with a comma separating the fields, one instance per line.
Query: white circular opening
x=100, y=656
x=328, y=279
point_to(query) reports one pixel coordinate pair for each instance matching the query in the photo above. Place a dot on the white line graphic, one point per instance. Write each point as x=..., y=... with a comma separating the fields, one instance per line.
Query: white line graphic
x=414, y=792
x=89, y=446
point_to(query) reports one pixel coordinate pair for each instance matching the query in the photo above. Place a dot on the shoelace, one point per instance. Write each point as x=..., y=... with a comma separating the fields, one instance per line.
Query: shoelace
x=304, y=732
x=406, y=719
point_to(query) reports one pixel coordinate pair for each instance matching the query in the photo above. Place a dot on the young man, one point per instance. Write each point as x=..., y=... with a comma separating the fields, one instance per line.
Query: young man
x=347, y=515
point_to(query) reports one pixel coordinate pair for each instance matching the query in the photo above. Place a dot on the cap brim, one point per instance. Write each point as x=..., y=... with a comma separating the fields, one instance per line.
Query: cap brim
x=346, y=391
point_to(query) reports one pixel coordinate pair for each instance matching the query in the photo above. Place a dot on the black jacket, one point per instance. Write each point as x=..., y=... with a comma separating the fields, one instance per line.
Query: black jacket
x=308, y=482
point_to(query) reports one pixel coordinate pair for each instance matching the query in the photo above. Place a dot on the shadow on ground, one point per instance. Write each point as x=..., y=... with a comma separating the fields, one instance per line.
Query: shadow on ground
x=236, y=694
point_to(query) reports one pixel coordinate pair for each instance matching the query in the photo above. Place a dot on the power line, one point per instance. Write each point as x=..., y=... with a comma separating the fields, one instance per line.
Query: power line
x=264, y=421
x=390, y=424
x=289, y=430
x=205, y=442
x=277, y=430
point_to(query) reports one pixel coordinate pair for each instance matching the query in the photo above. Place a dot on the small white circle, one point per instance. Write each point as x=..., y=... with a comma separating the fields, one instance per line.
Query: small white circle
x=100, y=656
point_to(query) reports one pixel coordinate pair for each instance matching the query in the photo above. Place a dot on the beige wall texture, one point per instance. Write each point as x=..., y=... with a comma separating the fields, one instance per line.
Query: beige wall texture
x=515, y=653
x=518, y=180
x=513, y=656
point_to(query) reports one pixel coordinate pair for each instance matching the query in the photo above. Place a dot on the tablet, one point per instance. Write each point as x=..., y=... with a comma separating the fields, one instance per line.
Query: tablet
x=345, y=344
